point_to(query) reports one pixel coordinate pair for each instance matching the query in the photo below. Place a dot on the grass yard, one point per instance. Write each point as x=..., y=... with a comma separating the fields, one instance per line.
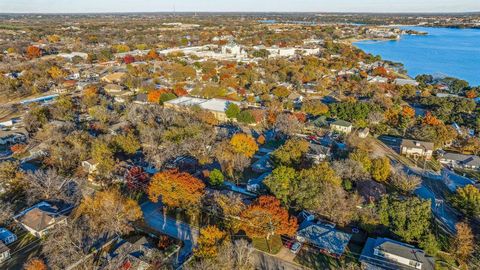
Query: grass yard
x=275, y=244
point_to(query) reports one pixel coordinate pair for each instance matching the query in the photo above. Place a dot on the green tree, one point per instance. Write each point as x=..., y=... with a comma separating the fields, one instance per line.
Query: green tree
x=245, y=117
x=429, y=243
x=467, y=199
x=216, y=177
x=291, y=153
x=232, y=110
x=280, y=183
x=381, y=169
x=314, y=107
x=103, y=155
x=409, y=218
x=128, y=143
x=166, y=97
x=363, y=157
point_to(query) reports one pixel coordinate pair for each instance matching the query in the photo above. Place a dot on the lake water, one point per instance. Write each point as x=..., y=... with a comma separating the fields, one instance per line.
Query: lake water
x=444, y=51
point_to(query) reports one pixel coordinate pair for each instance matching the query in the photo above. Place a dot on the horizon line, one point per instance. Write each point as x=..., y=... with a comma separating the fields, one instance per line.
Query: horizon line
x=239, y=12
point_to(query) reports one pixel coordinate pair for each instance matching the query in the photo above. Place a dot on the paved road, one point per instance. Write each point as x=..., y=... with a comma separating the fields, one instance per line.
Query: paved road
x=155, y=219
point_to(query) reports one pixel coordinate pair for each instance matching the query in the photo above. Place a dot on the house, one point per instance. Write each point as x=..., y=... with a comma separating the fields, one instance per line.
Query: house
x=40, y=218
x=126, y=255
x=13, y=136
x=215, y=105
x=255, y=184
x=141, y=99
x=384, y=253
x=341, y=126
x=318, y=152
x=323, y=236
x=377, y=79
x=4, y=252
x=403, y=82
x=113, y=88
x=115, y=77
x=416, y=149
x=363, y=133
x=90, y=165
x=7, y=237
x=454, y=160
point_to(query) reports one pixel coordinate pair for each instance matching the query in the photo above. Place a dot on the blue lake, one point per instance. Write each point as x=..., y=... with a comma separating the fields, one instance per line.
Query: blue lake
x=445, y=51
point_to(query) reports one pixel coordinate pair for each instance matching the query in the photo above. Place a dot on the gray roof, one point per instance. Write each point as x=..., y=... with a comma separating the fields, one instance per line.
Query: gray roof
x=324, y=237
x=341, y=123
x=417, y=144
x=397, y=248
x=470, y=160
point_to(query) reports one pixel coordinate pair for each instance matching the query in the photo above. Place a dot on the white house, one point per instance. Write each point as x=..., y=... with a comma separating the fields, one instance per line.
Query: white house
x=4, y=252
x=341, y=126
x=416, y=149
x=90, y=165
x=384, y=253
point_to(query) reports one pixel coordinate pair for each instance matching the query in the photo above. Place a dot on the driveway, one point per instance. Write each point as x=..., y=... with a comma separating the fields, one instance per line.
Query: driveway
x=155, y=219
x=266, y=261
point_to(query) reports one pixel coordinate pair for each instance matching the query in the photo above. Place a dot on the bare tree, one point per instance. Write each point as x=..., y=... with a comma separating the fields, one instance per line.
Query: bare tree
x=66, y=245
x=349, y=169
x=337, y=205
x=6, y=212
x=237, y=255
x=49, y=185
x=287, y=124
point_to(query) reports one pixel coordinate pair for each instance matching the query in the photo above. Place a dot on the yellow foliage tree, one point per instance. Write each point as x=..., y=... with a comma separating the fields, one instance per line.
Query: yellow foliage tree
x=56, y=73
x=109, y=211
x=208, y=242
x=244, y=144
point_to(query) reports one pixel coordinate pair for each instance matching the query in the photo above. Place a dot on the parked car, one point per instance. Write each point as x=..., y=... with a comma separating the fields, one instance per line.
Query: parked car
x=295, y=248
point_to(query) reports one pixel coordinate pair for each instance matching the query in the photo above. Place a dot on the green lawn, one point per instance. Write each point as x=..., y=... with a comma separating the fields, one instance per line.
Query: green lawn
x=275, y=244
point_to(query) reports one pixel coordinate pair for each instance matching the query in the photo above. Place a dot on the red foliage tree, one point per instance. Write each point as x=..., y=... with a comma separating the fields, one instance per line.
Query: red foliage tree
x=137, y=179
x=128, y=59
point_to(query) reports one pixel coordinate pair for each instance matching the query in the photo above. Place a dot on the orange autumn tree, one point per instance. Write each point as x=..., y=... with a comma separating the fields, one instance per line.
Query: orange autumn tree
x=33, y=52
x=408, y=111
x=154, y=96
x=265, y=218
x=35, y=264
x=431, y=120
x=176, y=189
x=244, y=144
x=208, y=242
x=471, y=94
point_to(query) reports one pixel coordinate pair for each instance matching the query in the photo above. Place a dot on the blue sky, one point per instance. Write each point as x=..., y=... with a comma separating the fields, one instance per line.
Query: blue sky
x=76, y=6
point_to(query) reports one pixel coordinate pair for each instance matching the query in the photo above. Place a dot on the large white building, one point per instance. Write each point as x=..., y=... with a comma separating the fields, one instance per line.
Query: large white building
x=215, y=105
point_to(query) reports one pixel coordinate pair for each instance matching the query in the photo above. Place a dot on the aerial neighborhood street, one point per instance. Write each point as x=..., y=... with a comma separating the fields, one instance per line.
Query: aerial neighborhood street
x=239, y=140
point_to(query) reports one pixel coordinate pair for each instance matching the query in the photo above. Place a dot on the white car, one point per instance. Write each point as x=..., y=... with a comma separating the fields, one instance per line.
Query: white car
x=295, y=248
